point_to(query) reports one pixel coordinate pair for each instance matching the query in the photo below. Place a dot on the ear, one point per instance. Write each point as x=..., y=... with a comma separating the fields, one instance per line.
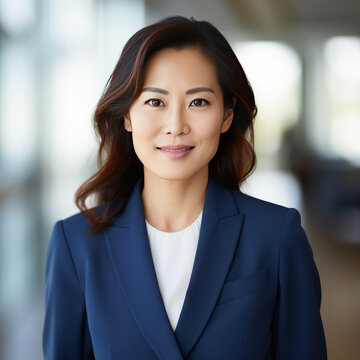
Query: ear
x=228, y=117
x=127, y=123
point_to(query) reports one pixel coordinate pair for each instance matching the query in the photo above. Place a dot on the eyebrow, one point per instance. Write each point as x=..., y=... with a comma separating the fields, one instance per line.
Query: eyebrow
x=155, y=89
x=188, y=92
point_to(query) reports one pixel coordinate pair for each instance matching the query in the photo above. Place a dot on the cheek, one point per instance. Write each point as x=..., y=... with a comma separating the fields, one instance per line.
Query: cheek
x=145, y=131
x=144, y=126
x=210, y=128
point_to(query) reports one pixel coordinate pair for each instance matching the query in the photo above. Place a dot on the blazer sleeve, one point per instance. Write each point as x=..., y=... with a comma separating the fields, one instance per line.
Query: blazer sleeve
x=65, y=332
x=297, y=327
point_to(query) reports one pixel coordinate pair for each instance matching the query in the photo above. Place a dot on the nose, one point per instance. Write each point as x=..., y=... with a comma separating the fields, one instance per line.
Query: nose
x=176, y=122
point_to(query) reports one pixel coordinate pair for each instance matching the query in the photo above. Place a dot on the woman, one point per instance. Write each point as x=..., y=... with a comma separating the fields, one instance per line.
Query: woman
x=174, y=262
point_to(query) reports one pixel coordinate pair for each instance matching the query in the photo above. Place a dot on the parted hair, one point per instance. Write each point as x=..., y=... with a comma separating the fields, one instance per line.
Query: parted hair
x=118, y=166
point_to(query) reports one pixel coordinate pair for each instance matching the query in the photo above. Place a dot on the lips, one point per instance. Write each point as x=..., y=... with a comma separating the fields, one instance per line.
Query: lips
x=175, y=148
x=176, y=151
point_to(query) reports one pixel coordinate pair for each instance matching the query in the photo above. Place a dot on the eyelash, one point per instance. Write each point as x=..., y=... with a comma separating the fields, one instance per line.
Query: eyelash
x=149, y=102
x=205, y=102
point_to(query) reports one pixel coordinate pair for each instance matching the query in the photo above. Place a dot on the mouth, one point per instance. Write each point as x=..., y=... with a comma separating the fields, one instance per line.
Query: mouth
x=175, y=148
x=175, y=151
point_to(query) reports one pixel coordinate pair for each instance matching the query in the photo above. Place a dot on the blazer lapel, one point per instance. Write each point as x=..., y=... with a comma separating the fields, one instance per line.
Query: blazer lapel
x=219, y=234
x=130, y=254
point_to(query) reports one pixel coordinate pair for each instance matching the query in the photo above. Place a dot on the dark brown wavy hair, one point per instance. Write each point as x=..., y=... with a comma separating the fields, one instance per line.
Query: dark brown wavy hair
x=119, y=167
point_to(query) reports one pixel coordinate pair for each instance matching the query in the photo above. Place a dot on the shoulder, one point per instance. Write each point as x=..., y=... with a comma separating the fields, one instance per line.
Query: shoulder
x=267, y=220
x=260, y=216
x=71, y=238
x=75, y=230
x=76, y=224
x=272, y=232
x=76, y=221
x=253, y=206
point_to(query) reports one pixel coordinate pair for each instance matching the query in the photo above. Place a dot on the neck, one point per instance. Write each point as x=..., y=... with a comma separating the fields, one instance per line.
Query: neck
x=172, y=205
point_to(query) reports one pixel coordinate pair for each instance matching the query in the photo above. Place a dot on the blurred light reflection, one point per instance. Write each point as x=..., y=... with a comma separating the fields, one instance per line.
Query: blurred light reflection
x=17, y=16
x=274, y=71
x=342, y=59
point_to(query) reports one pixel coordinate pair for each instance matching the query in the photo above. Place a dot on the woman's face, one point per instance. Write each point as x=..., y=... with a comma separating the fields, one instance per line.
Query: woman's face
x=177, y=120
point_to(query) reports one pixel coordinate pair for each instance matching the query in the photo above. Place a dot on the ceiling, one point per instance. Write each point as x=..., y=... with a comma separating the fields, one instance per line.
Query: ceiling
x=266, y=17
x=297, y=13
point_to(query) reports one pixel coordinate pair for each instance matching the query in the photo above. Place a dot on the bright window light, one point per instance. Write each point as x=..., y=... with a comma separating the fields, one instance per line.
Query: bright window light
x=342, y=85
x=17, y=16
x=274, y=71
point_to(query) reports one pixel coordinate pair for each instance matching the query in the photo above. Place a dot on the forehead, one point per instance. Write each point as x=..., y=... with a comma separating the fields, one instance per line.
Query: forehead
x=178, y=66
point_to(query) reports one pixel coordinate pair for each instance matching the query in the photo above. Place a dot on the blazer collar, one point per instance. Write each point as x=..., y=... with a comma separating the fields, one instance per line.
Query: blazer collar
x=130, y=253
x=219, y=201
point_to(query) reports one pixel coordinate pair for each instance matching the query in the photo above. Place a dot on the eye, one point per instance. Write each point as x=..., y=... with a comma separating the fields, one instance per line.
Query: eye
x=154, y=102
x=199, y=102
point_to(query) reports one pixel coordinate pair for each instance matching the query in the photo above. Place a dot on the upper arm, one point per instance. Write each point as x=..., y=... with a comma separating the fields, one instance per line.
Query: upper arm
x=65, y=332
x=297, y=328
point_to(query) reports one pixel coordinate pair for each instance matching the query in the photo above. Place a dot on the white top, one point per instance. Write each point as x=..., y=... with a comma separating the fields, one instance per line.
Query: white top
x=173, y=255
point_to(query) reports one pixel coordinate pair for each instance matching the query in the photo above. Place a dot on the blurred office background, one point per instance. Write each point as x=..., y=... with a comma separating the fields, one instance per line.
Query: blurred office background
x=303, y=60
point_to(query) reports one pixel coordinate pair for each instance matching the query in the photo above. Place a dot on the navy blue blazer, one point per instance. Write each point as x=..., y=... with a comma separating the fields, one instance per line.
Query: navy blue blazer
x=254, y=291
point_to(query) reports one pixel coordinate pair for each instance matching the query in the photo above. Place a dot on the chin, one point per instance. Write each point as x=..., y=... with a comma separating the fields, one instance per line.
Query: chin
x=174, y=177
x=181, y=173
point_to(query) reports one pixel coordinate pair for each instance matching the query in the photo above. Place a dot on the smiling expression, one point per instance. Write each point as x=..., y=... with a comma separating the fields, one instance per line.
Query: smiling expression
x=177, y=120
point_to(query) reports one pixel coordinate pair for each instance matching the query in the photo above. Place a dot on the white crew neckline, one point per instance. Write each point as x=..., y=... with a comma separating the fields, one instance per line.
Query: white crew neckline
x=197, y=221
